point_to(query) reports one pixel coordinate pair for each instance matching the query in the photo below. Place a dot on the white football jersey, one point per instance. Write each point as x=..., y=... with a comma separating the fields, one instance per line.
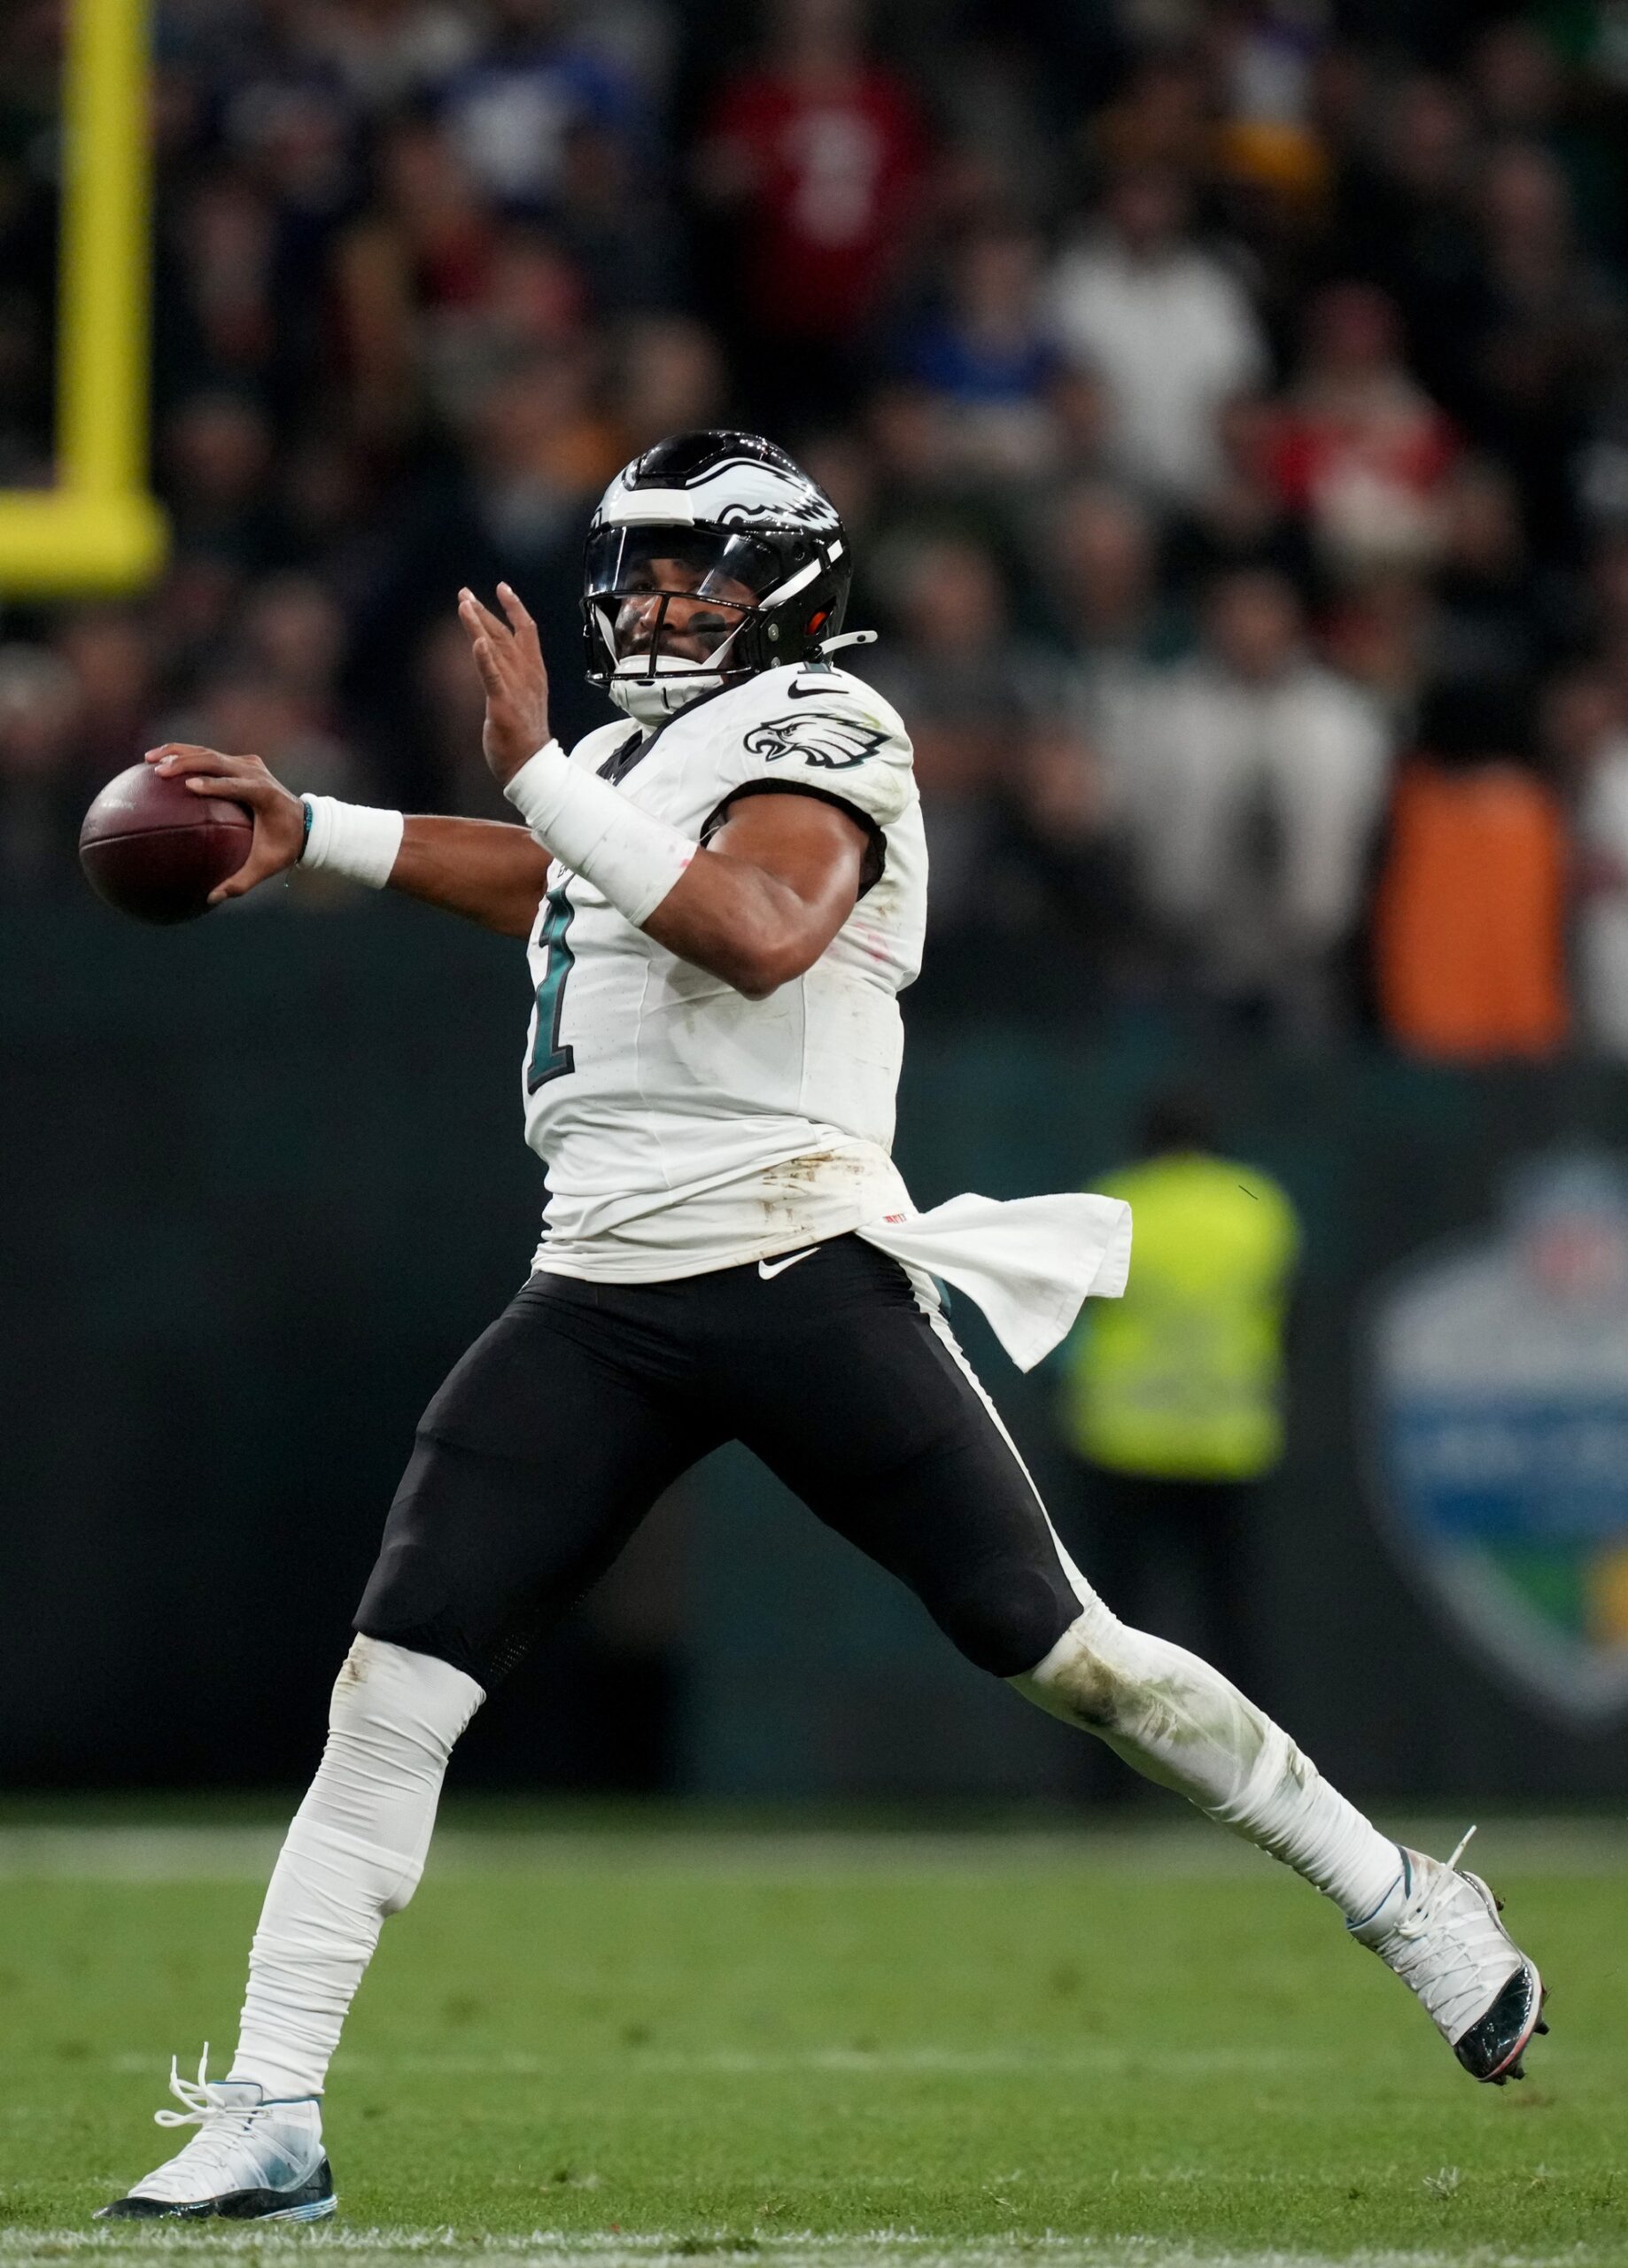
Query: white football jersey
x=683, y=1127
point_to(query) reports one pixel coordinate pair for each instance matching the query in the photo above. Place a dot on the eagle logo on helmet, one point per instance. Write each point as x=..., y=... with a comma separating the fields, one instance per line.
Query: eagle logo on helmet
x=829, y=743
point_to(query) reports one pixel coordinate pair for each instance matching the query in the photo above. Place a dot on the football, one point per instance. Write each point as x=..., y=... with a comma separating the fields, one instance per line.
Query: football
x=154, y=850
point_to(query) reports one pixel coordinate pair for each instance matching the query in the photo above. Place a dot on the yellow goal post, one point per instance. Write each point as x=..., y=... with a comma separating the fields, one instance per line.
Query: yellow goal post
x=98, y=529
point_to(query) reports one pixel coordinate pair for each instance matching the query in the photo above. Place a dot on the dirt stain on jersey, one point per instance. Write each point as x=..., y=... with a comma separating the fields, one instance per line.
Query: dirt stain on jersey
x=829, y=1174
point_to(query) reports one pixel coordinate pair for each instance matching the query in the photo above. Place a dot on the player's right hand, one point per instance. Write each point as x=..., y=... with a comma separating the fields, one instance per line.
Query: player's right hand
x=510, y=658
x=279, y=817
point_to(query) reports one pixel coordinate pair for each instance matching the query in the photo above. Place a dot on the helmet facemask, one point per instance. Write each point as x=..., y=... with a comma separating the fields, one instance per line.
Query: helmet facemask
x=669, y=605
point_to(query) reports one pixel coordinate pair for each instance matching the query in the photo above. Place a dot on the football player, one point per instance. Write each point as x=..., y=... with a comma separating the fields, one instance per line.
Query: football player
x=723, y=892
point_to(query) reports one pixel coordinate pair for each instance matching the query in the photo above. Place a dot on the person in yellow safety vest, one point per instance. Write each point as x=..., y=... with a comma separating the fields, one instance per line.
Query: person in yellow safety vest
x=1172, y=1399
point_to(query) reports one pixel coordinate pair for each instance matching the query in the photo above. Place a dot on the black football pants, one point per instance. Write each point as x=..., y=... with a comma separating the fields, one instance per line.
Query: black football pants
x=558, y=1430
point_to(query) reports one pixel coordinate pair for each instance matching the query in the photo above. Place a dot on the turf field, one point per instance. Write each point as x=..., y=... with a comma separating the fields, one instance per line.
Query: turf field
x=628, y=2043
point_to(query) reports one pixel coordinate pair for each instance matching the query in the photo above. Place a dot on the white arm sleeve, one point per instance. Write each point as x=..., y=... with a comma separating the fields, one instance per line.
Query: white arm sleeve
x=581, y=820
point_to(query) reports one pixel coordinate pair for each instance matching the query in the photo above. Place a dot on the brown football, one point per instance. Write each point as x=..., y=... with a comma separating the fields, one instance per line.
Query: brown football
x=153, y=849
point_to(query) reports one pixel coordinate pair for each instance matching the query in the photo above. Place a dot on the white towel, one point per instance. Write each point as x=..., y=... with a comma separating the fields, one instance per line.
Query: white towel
x=1028, y=1262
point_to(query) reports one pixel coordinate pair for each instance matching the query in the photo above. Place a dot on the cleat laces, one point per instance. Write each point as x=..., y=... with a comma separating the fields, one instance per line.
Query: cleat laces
x=223, y=2124
x=1448, y=1946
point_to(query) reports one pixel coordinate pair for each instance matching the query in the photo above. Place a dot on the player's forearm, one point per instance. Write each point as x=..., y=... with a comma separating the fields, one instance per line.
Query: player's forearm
x=484, y=869
x=731, y=918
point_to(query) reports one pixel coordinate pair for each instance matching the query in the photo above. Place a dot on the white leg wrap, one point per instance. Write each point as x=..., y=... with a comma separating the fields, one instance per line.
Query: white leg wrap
x=354, y=1852
x=1178, y=1721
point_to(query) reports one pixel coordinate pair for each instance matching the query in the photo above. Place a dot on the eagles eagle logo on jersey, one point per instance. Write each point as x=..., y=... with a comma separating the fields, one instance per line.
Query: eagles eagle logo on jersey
x=830, y=743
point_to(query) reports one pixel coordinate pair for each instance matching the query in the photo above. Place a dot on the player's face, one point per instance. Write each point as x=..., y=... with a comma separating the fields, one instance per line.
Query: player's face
x=691, y=627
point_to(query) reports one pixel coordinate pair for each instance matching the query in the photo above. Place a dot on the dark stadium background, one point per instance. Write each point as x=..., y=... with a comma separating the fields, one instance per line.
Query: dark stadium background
x=425, y=275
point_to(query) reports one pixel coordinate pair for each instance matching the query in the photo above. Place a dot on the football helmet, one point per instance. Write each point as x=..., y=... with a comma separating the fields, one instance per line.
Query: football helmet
x=724, y=517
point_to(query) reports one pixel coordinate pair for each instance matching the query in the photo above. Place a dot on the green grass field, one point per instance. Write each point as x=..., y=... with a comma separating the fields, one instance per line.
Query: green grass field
x=637, y=2044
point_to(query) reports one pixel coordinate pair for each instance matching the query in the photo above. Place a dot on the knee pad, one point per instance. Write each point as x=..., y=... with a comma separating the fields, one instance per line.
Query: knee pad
x=1010, y=1617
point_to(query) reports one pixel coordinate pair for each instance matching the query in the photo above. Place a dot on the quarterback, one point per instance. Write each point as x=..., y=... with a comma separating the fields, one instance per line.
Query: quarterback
x=723, y=893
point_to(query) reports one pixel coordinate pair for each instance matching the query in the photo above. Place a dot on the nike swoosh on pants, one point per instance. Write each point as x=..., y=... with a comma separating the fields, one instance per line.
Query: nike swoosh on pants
x=769, y=1268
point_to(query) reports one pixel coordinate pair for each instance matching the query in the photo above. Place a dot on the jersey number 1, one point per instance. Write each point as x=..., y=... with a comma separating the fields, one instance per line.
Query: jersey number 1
x=549, y=1059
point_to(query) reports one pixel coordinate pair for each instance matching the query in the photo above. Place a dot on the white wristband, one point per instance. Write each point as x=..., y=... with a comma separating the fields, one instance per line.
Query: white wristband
x=633, y=858
x=351, y=839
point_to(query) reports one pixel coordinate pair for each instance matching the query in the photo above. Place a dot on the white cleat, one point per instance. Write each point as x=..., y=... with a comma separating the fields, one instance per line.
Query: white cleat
x=250, y=2161
x=1440, y=1930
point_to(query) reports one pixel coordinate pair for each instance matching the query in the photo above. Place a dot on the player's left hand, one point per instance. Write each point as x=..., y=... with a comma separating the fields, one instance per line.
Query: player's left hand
x=510, y=662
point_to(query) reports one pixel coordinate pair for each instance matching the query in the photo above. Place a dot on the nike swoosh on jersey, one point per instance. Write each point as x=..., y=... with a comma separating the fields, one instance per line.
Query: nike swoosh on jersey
x=769, y=1268
x=808, y=691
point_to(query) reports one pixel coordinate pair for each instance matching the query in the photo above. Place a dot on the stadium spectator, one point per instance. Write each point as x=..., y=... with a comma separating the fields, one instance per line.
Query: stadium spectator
x=669, y=378
x=817, y=155
x=227, y=316
x=294, y=634
x=1361, y=450
x=1488, y=614
x=217, y=451
x=291, y=124
x=1110, y=605
x=1253, y=808
x=1240, y=518
x=532, y=306
x=1116, y=625
x=1404, y=218
x=420, y=254
x=984, y=352
x=1543, y=325
x=625, y=241
x=1378, y=633
x=974, y=694
x=1469, y=921
x=1162, y=117
x=196, y=604
x=1167, y=326
x=512, y=107
x=110, y=652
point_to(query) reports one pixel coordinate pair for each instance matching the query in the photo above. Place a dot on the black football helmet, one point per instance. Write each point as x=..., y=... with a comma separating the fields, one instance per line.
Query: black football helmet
x=705, y=516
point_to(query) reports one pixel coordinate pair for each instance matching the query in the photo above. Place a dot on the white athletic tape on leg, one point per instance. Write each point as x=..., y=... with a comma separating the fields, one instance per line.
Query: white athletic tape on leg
x=354, y=1853
x=1180, y=1722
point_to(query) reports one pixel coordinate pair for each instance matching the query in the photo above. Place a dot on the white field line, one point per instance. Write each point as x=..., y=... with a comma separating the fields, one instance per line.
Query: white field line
x=845, y=2063
x=180, y=1852
x=883, y=2248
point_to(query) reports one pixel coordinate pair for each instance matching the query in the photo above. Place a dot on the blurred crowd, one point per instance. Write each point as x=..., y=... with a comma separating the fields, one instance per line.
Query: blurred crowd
x=1228, y=400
